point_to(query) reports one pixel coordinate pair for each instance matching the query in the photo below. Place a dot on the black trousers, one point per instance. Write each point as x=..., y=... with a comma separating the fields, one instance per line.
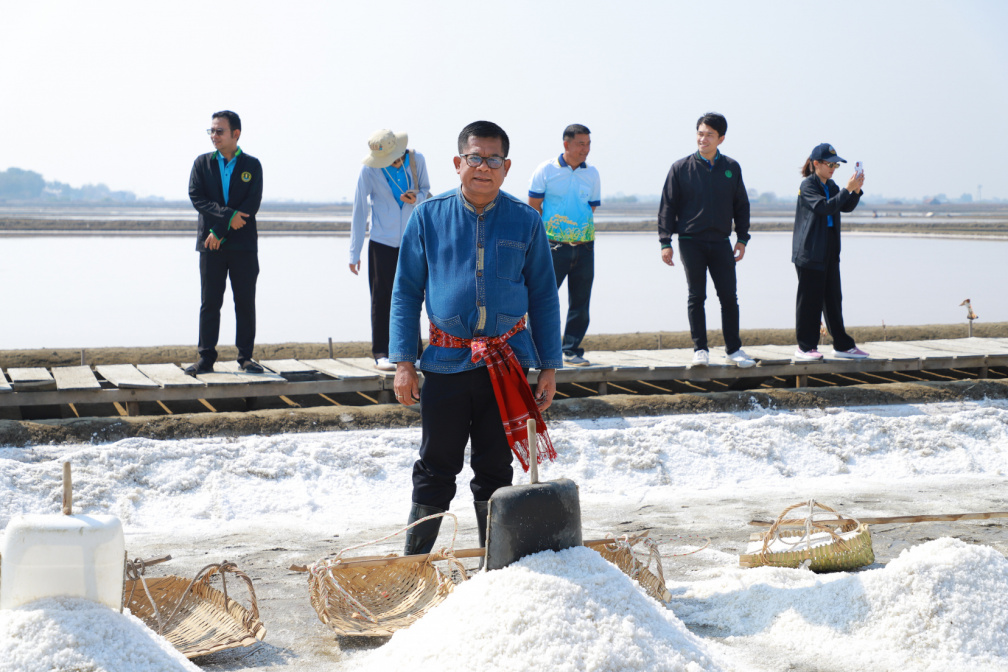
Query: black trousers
x=460, y=408
x=577, y=264
x=698, y=257
x=382, y=263
x=819, y=296
x=242, y=266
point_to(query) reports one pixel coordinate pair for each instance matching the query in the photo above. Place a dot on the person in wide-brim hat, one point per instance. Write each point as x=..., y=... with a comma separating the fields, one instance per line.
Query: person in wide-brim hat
x=385, y=147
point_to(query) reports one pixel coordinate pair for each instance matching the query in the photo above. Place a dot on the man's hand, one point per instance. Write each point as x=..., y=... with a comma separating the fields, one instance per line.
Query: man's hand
x=407, y=384
x=666, y=255
x=408, y=197
x=238, y=221
x=211, y=242
x=739, y=252
x=545, y=388
x=355, y=268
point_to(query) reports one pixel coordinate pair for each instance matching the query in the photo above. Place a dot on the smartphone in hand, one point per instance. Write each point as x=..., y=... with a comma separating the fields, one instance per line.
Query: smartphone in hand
x=858, y=169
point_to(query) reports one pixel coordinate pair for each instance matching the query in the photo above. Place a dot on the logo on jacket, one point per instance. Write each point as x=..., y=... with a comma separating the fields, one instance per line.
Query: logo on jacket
x=727, y=173
x=246, y=176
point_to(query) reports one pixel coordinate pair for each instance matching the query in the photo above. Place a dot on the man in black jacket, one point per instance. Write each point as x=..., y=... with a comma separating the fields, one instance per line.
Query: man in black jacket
x=225, y=187
x=703, y=193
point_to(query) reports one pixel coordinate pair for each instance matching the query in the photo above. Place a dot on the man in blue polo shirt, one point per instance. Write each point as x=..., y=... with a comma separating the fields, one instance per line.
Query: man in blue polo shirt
x=566, y=191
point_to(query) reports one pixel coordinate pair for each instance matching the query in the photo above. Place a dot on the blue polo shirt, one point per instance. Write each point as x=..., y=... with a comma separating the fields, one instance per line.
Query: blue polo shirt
x=226, y=168
x=398, y=179
x=568, y=193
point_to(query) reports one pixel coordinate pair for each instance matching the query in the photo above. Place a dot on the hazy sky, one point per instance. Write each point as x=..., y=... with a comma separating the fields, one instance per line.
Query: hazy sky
x=122, y=92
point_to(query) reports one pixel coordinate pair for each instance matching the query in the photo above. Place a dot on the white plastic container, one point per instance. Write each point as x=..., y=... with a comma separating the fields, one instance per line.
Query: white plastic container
x=50, y=556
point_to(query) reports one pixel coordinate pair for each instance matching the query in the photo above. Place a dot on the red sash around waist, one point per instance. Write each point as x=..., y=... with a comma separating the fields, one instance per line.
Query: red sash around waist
x=514, y=395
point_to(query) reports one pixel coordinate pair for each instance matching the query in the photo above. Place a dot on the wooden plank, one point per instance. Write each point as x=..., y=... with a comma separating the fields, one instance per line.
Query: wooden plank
x=766, y=355
x=4, y=385
x=230, y=373
x=893, y=350
x=287, y=367
x=674, y=358
x=75, y=378
x=31, y=378
x=125, y=376
x=616, y=361
x=340, y=369
x=969, y=346
x=168, y=375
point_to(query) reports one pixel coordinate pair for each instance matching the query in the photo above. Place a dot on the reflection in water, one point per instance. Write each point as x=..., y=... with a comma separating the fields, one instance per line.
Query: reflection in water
x=120, y=291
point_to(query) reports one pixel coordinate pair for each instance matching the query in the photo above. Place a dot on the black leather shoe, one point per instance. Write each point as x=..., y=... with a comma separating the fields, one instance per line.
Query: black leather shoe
x=198, y=368
x=249, y=366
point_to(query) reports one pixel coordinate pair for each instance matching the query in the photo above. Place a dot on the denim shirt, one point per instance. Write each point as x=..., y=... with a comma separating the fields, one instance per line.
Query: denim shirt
x=478, y=275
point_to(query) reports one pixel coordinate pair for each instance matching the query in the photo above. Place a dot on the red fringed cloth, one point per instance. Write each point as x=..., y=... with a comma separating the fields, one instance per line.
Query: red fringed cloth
x=514, y=396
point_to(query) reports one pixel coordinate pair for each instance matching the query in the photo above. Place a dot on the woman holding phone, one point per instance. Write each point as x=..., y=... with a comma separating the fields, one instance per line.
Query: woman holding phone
x=816, y=253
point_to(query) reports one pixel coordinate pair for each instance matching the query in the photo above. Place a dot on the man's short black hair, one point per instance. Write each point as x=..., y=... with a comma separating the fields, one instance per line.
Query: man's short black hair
x=483, y=129
x=575, y=129
x=234, y=121
x=715, y=121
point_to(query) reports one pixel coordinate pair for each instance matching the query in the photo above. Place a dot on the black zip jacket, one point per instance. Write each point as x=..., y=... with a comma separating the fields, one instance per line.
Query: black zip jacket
x=701, y=202
x=244, y=195
x=808, y=247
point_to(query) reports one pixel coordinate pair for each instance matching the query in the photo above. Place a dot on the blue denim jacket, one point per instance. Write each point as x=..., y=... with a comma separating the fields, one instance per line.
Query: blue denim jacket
x=479, y=274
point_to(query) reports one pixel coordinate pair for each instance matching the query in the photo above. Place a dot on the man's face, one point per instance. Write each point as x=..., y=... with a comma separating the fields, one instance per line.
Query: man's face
x=481, y=184
x=226, y=142
x=708, y=140
x=576, y=149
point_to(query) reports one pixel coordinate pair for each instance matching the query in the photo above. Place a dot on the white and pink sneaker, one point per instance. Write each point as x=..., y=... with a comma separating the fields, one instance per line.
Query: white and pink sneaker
x=808, y=355
x=853, y=353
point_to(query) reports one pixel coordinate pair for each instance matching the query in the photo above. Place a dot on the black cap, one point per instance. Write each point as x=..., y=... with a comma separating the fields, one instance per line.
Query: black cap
x=825, y=152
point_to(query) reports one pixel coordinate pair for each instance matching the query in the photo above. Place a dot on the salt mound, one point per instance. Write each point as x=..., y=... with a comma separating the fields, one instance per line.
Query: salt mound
x=554, y=611
x=946, y=598
x=76, y=634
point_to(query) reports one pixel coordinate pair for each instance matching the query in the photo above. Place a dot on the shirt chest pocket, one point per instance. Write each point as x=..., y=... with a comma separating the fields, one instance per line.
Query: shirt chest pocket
x=510, y=259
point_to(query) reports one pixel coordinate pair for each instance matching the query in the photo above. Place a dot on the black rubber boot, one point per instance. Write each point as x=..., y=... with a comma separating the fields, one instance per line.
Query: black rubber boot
x=420, y=538
x=482, y=509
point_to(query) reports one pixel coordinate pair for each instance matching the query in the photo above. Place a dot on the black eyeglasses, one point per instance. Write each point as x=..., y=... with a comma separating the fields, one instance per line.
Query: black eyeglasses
x=474, y=160
x=215, y=131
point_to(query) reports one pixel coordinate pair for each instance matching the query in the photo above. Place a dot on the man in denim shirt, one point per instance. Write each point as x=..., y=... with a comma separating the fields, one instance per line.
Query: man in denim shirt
x=479, y=260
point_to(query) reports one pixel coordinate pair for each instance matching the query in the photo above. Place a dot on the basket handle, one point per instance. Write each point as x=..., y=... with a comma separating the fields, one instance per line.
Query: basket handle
x=222, y=568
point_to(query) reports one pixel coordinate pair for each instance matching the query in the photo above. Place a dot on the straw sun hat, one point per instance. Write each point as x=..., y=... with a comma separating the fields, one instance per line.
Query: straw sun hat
x=385, y=147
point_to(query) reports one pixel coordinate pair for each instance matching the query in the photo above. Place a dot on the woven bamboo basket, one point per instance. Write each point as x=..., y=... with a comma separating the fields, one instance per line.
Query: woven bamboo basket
x=377, y=601
x=823, y=541
x=196, y=618
x=621, y=552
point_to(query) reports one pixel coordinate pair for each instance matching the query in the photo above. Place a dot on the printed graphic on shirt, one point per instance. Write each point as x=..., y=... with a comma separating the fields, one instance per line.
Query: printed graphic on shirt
x=565, y=230
x=246, y=176
x=727, y=173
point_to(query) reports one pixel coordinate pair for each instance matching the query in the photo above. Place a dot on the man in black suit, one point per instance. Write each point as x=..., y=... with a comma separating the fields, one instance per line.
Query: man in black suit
x=225, y=187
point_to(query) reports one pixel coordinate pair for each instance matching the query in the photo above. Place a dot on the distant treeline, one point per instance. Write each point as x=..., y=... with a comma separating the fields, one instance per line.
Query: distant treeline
x=26, y=185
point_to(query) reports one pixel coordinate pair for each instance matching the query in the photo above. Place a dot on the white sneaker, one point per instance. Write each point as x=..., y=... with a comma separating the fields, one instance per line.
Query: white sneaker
x=383, y=364
x=575, y=360
x=853, y=353
x=701, y=358
x=740, y=359
x=809, y=355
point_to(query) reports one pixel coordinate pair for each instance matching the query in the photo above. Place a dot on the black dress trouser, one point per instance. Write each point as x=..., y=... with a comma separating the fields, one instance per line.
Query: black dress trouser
x=242, y=266
x=456, y=409
x=382, y=263
x=819, y=297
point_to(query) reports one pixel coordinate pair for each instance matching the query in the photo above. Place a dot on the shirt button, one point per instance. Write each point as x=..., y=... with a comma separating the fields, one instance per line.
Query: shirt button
x=479, y=274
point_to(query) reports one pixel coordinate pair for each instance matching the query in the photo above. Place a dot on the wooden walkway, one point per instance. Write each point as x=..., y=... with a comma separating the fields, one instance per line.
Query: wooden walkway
x=126, y=386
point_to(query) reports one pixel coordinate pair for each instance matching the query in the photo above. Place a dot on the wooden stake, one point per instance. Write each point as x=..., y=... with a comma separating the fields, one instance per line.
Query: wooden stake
x=67, y=491
x=882, y=520
x=533, y=452
x=377, y=561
